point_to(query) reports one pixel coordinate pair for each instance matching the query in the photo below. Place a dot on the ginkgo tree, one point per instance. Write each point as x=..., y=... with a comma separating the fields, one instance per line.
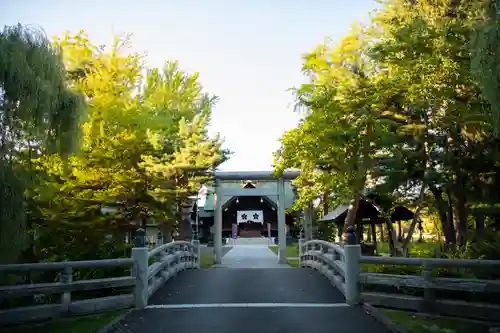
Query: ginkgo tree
x=145, y=148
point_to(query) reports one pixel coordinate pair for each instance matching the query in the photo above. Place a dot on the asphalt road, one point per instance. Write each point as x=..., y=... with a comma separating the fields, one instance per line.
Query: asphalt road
x=229, y=300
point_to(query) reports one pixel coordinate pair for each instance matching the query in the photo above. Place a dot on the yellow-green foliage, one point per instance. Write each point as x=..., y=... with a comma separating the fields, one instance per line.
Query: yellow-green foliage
x=144, y=149
x=395, y=104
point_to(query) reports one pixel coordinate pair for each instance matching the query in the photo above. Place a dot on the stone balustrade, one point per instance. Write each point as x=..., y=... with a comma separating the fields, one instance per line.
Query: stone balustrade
x=149, y=270
x=344, y=266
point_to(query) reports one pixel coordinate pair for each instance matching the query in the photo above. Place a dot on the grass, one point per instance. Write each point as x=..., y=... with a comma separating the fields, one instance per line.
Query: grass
x=85, y=324
x=274, y=248
x=207, y=260
x=419, y=324
x=426, y=249
x=422, y=249
x=292, y=251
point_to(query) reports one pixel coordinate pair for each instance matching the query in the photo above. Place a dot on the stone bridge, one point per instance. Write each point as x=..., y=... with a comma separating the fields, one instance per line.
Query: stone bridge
x=250, y=292
x=250, y=289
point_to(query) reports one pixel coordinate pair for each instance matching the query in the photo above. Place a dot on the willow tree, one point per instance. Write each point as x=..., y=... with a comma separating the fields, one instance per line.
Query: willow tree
x=38, y=114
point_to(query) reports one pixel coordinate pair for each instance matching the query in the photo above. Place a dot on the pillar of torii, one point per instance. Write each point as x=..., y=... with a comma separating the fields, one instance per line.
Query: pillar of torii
x=276, y=194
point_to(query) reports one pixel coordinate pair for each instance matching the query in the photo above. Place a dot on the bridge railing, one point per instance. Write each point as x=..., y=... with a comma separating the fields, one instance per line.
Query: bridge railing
x=64, y=287
x=343, y=266
x=339, y=264
x=169, y=260
x=166, y=260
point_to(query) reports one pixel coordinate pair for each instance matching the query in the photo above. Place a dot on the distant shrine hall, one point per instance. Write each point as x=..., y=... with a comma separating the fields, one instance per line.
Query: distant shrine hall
x=244, y=216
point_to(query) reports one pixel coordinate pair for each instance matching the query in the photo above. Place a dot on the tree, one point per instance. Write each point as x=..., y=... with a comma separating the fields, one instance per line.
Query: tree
x=485, y=44
x=337, y=114
x=145, y=150
x=397, y=103
x=425, y=49
x=38, y=115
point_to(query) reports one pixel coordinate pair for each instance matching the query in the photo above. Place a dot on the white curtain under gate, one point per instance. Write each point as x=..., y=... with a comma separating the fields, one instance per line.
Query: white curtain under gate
x=254, y=216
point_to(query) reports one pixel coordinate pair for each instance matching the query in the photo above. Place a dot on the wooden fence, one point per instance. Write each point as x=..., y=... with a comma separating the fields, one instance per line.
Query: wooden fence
x=343, y=266
x=431, y=285
x=144, y=279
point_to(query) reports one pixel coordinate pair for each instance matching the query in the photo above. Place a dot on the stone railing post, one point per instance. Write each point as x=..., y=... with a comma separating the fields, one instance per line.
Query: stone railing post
x=140, y=269
x=159, y=239
x=197, y=248
x=159, y=242
x=140, y=238
x=352, y=255
x=66, y=277
x=177, y=259
x=301, y=249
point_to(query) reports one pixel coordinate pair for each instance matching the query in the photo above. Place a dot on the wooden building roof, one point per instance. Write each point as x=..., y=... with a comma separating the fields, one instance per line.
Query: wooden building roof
x=368, y=213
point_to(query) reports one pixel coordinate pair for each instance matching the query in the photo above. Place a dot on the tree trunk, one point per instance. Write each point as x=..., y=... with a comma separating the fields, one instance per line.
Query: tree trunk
x=461, y=219
x=352, y=212
x=438, y=232
x=339, y=235
x=479, y=217
x=166, y=230
x=350, y=218
x=119, y=235
x=382, y=236
x=420, y=232
x=360, y=231
x=400, y=232
x=415, y=220
x=325, y=204
x=390, y=230
x=450, y=220
x=391, y=237
x=443, y=211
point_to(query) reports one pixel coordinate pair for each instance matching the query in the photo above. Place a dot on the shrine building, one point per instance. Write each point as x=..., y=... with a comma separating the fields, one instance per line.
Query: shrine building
x=247, y=216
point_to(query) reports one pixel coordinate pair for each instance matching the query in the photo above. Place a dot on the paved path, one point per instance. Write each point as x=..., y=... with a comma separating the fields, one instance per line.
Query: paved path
x=251, y=256
x=251, y=241
x=231, y=298
x=205, y=250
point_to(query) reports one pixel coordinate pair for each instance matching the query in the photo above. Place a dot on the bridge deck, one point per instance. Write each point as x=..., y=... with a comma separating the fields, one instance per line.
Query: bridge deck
x=248, y=300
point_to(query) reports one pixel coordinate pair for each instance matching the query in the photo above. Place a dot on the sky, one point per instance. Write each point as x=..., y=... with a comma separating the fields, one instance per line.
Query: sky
x=247, y=52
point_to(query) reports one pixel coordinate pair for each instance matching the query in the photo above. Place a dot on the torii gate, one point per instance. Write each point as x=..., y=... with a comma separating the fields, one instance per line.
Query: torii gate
x=277, y=194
